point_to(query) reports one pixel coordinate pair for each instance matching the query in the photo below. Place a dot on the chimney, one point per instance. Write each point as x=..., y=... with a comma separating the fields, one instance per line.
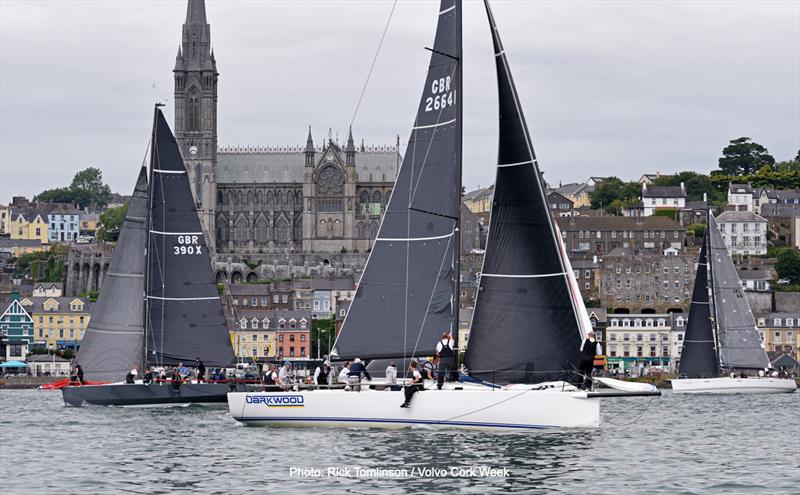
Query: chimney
x=683, y=188
x=705, y=198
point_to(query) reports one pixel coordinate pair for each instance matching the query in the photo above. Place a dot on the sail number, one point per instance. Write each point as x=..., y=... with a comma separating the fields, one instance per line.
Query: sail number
x=443, y=95
x=187, y=244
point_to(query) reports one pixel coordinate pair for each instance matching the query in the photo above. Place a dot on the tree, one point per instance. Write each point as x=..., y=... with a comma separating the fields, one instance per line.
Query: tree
x=696, y=185
x=111, y=222
x=788, y=265
x=744, y=157
x=88, y=188
x=56, y=195
x=613, y=194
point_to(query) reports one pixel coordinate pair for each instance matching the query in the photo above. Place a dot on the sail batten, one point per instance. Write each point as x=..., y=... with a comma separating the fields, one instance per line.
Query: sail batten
x=184, y=314
x=525, y=327
x=405, y=297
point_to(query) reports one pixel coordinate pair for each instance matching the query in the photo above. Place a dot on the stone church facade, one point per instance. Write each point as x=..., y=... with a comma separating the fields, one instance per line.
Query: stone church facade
x=325, y=198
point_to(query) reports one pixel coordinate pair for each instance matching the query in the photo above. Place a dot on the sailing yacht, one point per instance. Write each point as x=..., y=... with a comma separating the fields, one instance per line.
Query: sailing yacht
x=527, y=319
x=721, y=335
x=159, y=305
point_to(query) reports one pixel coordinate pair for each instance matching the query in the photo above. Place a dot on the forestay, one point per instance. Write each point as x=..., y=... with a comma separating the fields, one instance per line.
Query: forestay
x=406, y=295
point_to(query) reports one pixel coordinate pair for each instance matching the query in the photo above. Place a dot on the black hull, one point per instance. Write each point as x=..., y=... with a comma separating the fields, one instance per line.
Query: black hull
x=148, y=395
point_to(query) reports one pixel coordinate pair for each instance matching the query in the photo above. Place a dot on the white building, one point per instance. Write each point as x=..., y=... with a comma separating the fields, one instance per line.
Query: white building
x=656, y=198
x=740, y=197
x=634, y=340
x=48, y=365
x=744, y=232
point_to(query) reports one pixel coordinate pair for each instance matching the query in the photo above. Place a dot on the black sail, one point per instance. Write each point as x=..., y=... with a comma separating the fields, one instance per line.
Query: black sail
x=699, y=354
x=405, y=297
x=184, y=313
x=739, y=342
x=525, y=326
x=113, y=342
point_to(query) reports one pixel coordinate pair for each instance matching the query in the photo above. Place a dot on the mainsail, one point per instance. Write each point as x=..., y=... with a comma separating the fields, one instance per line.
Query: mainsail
x=407, y=294
x=525, y=327
x=699, y=354
x=112, y=343
x=739, y=341
x=184, y=316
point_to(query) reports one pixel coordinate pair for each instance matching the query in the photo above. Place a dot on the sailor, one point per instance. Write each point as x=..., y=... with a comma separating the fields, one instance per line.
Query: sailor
x=148, y=377
x=78, y=376
x=183, y=370
x=354, y=376
x=285, y=375
x=447, y=358
x=589, y=348
x=426, y=365
x=201, y=370
x=131, y=376
x=342, y=378
x=413, y=386
x=391, y=374
x=176, y=379
x=321, y=374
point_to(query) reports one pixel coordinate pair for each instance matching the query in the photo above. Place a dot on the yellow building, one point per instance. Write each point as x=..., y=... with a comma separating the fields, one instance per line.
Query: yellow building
x=781, y=332
x=58, y=322
x=253, y=343
x=27, y=224
x=479, y=200
x=89, y=222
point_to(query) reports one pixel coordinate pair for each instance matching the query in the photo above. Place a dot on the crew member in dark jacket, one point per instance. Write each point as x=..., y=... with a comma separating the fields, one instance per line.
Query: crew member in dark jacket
x=447, y=358
x=354, y=376
x=201, y=370
x=414, y=385
x=589, y=348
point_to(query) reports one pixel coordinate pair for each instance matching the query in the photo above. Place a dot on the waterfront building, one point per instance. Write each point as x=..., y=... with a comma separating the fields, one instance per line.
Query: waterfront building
x=59, y=322
x=48, y=365
x=16, y=330
x=634, y=340
x=744, y=232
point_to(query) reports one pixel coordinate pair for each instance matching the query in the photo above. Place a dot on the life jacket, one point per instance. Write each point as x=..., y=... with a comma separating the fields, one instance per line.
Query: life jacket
x=268, y=379
x=323, y=376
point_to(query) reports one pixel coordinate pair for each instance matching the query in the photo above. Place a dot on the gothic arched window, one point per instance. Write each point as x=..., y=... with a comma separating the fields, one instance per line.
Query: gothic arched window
x=269, y=197
x=249, y=197
x=298, y=229
x=222, y=230
x=193, y=113
x=279, y=198
x=363, y=197
x=361, y=230
x=298, y=197
x=240, y=231
x=330, y=181
x=373, y=230
x=220, y=197
x=238, y=199
x=198, y=180
x=282, y=231
x=376, y=197
x=258, y=197
x=262, y=230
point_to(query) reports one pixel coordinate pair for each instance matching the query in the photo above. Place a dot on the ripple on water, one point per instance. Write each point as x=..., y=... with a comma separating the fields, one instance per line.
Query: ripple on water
x=680, y=444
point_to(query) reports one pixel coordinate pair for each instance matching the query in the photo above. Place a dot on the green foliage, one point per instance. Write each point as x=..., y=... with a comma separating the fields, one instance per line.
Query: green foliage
x=67, y=353
x=44, y=266
x=743, y=157
x=788, y=265
x=324, y=329
x=252, y=264
x=111, y=222
x=87, y=189
x=697, y=229
x=696, y=185
x=764, y=177
x=666, y=212
x=220, y=289
x=613, y=194
x=91, y=295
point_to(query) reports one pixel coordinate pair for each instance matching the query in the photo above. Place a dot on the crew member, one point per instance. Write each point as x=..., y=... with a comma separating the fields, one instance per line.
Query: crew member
x=391, y=374
x=131, y=376
x=284, y=375
x=589, y=348
x=447, y=358
x=342, y=378
x=321, y=374
x=354, y=376
x=413, y=386
x=78, y=376
x=201, y=370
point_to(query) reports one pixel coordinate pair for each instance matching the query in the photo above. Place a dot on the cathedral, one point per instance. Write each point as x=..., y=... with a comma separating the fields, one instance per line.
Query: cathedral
x=322, y=198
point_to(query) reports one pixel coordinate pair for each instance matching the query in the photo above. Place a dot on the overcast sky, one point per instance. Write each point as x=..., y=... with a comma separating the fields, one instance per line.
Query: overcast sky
x=608, y=88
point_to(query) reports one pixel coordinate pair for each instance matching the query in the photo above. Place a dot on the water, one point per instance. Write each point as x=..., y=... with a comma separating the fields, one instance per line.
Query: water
x=679, y=444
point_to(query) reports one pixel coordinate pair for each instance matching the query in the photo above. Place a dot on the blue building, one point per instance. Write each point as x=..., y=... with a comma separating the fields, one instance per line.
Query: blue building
x=16, y=331
x=64, y=223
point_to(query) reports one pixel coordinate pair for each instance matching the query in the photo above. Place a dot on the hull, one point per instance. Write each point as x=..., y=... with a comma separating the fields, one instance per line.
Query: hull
x=468, y=408
x=154, y=394
x=727, y=385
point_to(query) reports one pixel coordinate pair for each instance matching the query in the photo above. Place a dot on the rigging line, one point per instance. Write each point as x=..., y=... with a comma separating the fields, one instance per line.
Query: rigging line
x=430, y=299
x=371, y=67
x=489, y=406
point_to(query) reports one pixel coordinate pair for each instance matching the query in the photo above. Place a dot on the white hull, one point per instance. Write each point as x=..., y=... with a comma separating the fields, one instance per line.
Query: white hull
x=472, y=408
x=727, y=385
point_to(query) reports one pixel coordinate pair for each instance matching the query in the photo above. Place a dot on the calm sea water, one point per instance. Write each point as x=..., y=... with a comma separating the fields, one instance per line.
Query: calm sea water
x=672, y=444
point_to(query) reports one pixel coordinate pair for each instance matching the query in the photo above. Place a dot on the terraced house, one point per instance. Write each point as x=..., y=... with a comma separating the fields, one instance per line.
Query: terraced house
x=58, y=322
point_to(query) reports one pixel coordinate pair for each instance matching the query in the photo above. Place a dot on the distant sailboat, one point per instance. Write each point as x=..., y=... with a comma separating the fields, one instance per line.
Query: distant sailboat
x=725, y=340
x=408, y=294
x=159, y=305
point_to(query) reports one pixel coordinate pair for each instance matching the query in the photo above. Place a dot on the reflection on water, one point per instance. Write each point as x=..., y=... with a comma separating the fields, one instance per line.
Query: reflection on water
x=681, y=444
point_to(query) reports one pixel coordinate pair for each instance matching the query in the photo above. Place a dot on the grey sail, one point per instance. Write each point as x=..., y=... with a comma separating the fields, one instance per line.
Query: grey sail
x=699, y=354
x=405, y=297
x=739, y=341
x=525, y=326
x=112, y=343
x=184, y=317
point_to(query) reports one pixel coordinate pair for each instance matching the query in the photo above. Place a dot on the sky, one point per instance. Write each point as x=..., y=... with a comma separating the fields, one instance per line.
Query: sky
x=608, y=88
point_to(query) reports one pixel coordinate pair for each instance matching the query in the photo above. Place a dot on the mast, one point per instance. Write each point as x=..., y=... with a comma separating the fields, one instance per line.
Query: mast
x=459, y=143
x=145, y=306
x=712, y=299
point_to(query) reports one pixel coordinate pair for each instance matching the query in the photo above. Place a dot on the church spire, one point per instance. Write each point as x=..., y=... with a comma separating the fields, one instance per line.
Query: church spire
x=196, y=12
x=351, y=147
x=309, y=149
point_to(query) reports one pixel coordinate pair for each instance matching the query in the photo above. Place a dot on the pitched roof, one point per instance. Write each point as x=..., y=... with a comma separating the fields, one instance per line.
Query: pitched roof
x=740, y=188
x=573, y=188
x=619, y=223
x=739, y=216
x=773, y=210
x=663, y=192
x=63, y=304
x=45, y=358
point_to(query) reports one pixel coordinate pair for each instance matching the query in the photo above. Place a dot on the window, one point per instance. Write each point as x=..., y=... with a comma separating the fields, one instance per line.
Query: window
x=789, y=322
x=291, y=337
x=245, y=301
x=254, y=301
x=276, y=298
x=302, y=338
x=242, y=323
x=285, y=298
x=264, y=301
x=652, y=337
x=302, y=351
x=680, y=337
x=639, y=337
x=254, y=337
x=777, y=322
